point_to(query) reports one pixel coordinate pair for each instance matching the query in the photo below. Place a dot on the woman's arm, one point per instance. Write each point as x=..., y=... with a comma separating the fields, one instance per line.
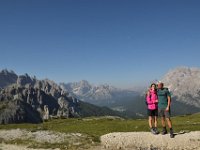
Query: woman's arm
x=148, y=98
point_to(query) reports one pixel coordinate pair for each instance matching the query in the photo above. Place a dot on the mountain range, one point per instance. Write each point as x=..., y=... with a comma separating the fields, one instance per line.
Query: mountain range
x=183, y=83
x=27, y=99
x=98, y=94
x=23, y=98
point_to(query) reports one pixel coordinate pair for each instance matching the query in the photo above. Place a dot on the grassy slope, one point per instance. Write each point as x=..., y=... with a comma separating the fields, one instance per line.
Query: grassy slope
x=97, y=127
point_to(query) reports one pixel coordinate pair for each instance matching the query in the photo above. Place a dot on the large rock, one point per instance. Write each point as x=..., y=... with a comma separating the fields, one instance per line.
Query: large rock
x=146, y=140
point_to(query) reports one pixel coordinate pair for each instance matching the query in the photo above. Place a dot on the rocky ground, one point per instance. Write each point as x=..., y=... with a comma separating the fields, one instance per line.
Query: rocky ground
x=27, y=140
x=146, y=140
x=18, y=147
x=111, y=141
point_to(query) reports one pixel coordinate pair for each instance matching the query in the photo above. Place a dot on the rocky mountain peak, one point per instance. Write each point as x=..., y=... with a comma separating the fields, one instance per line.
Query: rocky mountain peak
x=184, y=83
x=7, y=78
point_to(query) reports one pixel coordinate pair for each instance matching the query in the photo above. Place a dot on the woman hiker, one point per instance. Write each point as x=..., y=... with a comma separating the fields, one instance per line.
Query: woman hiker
x=152, y=111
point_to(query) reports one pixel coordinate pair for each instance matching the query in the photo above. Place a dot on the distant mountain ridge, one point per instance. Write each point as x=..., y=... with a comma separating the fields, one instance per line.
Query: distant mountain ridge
x=97, y=94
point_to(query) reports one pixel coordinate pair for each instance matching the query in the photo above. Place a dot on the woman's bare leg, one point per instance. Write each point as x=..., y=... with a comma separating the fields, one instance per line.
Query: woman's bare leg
x=150, y=121
x=155, y=121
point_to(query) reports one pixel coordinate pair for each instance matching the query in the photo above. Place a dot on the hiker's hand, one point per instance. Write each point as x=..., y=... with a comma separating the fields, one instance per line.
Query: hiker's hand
x=156, y=101
x=167, y=109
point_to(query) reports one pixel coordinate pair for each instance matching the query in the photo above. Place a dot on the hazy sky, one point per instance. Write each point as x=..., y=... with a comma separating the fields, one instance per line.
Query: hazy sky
x=121, y=42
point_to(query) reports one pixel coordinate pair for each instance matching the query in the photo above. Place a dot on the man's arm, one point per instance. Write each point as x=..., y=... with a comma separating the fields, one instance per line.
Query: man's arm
x=169, y=103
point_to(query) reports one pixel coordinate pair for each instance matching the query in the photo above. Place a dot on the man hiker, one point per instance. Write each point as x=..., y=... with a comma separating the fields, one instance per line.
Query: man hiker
x=164, y=102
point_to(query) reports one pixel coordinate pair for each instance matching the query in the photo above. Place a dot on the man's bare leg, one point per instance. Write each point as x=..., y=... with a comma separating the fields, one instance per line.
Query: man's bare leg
x=164, y=131
x=169, y=122
x=163, y=122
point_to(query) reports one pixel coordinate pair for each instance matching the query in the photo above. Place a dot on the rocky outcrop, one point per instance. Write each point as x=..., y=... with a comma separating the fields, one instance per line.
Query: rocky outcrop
x=63, y=110
x=22, y=104
x=46, y=112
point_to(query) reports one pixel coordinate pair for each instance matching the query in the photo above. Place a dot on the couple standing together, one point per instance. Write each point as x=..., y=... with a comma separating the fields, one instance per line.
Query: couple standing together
x=158, y=100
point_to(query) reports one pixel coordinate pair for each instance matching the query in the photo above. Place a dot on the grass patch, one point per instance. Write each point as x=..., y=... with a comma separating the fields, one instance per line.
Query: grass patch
x=94, y=128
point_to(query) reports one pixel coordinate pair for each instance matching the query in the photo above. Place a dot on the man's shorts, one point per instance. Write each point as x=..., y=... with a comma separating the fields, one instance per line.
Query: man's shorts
x=164, y=113
x=152, y=113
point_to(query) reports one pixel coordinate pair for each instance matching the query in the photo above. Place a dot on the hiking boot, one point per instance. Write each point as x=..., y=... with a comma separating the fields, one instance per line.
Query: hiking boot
x=152, y=131
x=171, y=133
x=164, y=131
x=156, y=131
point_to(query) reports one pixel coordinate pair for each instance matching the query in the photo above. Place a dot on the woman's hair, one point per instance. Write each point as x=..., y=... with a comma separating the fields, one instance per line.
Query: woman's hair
x=150, y=88
x=154, y=85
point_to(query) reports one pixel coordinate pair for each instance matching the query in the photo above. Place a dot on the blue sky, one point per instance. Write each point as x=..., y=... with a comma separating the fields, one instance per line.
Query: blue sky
x=120, y=42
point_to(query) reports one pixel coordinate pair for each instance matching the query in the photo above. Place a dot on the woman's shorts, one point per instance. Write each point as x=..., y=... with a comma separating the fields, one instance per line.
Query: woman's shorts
x=152, y=112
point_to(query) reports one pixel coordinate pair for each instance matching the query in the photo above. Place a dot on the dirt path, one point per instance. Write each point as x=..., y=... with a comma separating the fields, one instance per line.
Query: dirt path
x=146, y=140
